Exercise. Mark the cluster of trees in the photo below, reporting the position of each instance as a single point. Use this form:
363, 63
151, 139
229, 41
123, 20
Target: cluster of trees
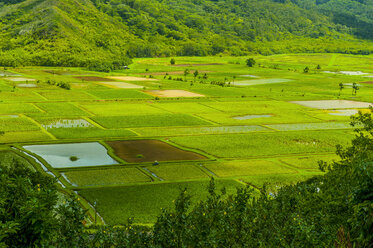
61, 84
332, 210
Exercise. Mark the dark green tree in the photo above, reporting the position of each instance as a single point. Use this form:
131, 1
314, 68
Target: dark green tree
355, 88
186, 73
30, 215
195, 74
250, 62
341, 87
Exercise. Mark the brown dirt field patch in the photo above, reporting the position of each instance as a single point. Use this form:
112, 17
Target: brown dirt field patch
93, 78
180, 65
171, 73
173, 93
150, 150
128, 78
367, 82
63, 72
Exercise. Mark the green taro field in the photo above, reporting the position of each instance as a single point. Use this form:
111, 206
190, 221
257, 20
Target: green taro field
241, 125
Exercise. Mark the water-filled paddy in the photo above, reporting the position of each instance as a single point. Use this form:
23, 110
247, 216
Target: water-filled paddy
67, 123
349, 73
8, 74
249, 117
20, 79
150, 151
345, 112
64, 155
333, 104
27, 86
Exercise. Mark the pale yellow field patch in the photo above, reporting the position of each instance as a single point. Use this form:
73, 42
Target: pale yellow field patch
121, 85
79, 86
128, 78
20, 79
173, 93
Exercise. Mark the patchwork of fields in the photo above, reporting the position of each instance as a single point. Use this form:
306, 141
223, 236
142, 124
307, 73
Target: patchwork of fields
128, 141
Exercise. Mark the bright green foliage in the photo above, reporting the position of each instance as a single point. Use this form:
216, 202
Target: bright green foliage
250, 62
30, 215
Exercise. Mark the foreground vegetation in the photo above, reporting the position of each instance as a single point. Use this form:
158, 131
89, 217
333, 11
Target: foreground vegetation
334, 209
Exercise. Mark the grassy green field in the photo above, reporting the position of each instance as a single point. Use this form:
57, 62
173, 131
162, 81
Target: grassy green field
266, 144
101, 177
149, 120
145, 202
250, 130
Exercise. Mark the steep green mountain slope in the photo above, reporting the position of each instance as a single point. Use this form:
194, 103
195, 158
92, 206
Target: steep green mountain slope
84, 32
64, 33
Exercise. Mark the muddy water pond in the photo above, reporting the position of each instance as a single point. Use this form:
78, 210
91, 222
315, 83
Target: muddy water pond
73, 155
135, 151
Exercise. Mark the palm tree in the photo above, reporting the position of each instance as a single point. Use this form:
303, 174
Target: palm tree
341, 87
355, 88
186, 72
195, 74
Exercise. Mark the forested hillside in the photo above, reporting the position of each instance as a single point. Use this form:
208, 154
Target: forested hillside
66, 33
82, 32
